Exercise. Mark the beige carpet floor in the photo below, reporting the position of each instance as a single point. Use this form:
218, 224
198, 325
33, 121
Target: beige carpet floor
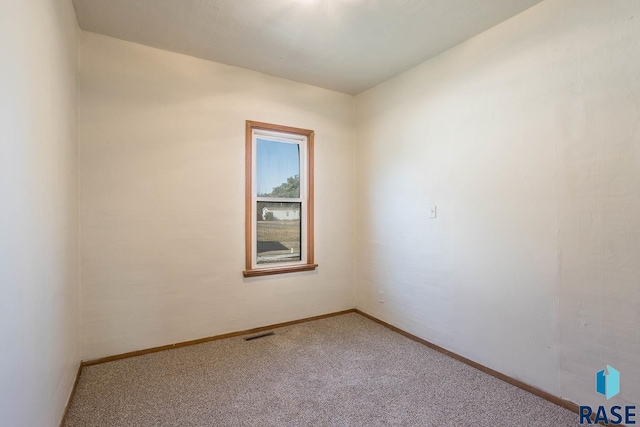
340, 371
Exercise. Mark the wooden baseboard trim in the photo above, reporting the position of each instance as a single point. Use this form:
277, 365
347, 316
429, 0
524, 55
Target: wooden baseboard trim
73, 392
207, 339
526, 387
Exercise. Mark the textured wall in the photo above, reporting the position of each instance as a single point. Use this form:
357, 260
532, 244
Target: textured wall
527, 139
39, 294
162, 198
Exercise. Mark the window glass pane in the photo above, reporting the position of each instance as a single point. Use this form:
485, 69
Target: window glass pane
278, 169
279, 232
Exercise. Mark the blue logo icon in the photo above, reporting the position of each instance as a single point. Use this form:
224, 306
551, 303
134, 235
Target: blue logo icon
608, 384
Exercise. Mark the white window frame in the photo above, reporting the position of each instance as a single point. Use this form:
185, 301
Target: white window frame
287, 138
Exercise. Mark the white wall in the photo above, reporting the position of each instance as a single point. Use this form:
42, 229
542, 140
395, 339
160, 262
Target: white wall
39, 294
162, 198
527, 139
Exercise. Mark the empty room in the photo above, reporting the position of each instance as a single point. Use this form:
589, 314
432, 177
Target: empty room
319, 213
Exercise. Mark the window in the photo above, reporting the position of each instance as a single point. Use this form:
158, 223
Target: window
279, 199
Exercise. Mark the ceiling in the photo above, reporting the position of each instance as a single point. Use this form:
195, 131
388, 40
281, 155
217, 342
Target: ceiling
344, 45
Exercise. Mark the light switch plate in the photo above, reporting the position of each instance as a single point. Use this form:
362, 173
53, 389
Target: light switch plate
433, 211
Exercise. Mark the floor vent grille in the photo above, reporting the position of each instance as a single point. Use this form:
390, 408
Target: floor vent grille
254, 337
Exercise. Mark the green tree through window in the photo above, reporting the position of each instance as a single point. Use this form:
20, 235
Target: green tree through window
291, 188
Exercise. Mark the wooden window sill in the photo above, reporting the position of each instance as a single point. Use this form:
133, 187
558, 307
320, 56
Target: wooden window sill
279, 270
